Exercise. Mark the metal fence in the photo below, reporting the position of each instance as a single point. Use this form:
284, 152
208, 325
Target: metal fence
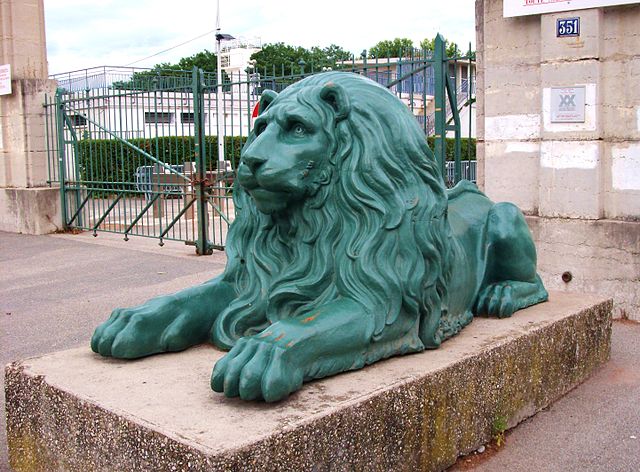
137, 151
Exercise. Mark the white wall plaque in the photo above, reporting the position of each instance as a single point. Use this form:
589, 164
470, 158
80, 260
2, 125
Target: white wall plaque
567, 104
536, 7
5, 79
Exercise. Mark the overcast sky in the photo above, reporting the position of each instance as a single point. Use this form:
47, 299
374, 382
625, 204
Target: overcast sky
88, 33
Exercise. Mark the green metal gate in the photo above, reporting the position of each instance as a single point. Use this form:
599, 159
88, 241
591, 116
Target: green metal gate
136, 152
139, 157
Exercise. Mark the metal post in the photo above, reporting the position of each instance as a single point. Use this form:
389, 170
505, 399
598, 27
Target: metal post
469, 109
203, 246
440, 116
453, 98
61, 157
219, 108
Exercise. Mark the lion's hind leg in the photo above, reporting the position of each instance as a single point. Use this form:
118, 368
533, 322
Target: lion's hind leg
510, 282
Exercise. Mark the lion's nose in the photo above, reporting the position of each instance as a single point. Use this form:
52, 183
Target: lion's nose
253, 162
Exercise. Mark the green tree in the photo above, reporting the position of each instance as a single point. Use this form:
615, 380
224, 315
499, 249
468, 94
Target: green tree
391, 48
273, 58
205, 60
428, 44
167, 75
327, 57
451, 48
277, 57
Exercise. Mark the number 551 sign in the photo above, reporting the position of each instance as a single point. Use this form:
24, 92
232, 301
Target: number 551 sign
567, 27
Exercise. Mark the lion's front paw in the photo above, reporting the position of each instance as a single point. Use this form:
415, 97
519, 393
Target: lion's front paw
161, 325
257, 368
496, 300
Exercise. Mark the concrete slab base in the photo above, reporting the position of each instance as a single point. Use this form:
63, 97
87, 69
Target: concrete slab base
74, 410
30, 210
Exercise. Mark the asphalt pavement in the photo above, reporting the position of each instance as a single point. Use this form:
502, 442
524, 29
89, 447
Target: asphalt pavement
55, 289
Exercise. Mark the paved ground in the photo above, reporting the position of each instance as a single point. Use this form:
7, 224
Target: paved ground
55, 289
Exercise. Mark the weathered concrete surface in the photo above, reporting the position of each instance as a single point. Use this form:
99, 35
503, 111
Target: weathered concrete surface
603, 257
587, 170
74, 410
22, 33
557, 172
23, 146
27, 205
594, 428
30, 210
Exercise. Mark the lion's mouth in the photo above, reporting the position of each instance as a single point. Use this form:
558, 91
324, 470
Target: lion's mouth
268, 201
267, 195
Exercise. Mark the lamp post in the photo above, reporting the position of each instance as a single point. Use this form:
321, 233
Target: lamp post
220, 107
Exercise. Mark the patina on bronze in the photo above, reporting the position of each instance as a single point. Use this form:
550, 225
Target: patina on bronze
346, 249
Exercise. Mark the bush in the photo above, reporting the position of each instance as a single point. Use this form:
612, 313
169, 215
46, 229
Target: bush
451, 145
109, 161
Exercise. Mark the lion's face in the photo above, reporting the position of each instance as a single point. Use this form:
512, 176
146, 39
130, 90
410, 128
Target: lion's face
283, 164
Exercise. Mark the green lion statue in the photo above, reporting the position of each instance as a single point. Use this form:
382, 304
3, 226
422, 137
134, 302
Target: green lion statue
346, 249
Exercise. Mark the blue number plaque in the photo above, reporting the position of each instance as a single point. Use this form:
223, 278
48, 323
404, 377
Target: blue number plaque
567, 27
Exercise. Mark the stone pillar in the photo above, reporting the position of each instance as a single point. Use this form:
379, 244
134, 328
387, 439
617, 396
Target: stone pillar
578, 182
27, 203
571, 154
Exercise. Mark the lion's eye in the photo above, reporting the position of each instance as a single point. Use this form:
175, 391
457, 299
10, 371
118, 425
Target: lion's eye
298, 129
260, 127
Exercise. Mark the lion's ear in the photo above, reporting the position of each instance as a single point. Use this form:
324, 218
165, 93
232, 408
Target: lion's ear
336, 96
267, 97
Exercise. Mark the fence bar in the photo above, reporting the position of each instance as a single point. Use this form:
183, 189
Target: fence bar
108, 210
202, 242
469, 105
128, 144
440, 65
177, 218
455, 116
61, 157
80, 207
142, 212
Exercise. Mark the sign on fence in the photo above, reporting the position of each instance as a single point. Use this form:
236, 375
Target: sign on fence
536, 7
5, 79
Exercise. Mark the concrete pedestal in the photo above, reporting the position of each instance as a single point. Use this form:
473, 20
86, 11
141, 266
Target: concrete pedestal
74, 410
30, 210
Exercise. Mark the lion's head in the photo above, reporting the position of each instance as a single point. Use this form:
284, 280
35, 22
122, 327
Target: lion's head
337, 195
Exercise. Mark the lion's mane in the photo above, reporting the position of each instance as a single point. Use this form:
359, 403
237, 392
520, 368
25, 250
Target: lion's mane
376, 231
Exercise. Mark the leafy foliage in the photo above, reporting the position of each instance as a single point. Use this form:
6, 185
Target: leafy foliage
108, 160
401, 47
164, 75
498, 429
283, 59
452, 48
450, 148
105, 161
272, 60
205, 60
391, 48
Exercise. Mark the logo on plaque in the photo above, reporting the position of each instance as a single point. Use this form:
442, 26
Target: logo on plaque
567, 104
